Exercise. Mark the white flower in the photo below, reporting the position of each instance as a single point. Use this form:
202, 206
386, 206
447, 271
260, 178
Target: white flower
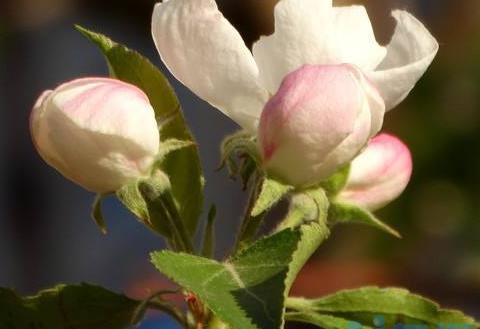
320, 118
97, 132
379, 174
205, 52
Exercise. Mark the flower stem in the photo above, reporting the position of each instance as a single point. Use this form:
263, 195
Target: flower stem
250, 224
157, 192
174, 312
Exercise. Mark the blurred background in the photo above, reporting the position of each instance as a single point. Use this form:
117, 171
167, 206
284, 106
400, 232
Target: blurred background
46, 235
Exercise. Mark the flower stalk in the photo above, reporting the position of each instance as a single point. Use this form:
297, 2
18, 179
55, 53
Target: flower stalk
156, 191
250, 224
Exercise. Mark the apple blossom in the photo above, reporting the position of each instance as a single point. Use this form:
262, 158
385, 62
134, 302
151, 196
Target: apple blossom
379, 174
206, 53
97, 132
310, 102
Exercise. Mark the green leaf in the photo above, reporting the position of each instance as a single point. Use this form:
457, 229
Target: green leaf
183, 166
97, 213
324, 321
73, 307
392, 305
246, 292
309, 207
265, 194
271, 193
349, 213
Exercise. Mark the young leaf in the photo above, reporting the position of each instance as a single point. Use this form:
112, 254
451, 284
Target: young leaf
265, 194
246, 292
97, 213
349, 213
182, 166
394, 305
75, 307
271, 193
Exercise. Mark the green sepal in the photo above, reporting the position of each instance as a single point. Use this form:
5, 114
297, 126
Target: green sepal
168, 146
97, 213
183, 166
337, 181
349, 213
366, 305
76, 306
130, 197
305, 207
242, 142
240, 155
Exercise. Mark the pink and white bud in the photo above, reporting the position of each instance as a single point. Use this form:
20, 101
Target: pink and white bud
98, 132
321, 117
379, 174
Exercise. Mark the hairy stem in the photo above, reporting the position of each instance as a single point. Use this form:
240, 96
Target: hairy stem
173, 311
250, 224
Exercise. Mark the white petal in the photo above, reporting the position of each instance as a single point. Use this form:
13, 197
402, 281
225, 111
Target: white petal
354, 38
99, 133
409, 54
351, 145
205, 52
309, 128
312, 32
300, 37
373, 99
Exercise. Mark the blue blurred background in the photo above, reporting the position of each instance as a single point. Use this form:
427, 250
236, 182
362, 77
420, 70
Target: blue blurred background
46, 235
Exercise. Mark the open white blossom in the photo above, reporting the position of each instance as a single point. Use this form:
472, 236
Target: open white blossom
206, 53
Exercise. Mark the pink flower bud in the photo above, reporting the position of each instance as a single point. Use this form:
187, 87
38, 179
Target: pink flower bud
379, 174
97, 132
319, 120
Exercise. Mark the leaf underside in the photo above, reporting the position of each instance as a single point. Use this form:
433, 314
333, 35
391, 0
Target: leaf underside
340, 213
368, 305
73, 307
